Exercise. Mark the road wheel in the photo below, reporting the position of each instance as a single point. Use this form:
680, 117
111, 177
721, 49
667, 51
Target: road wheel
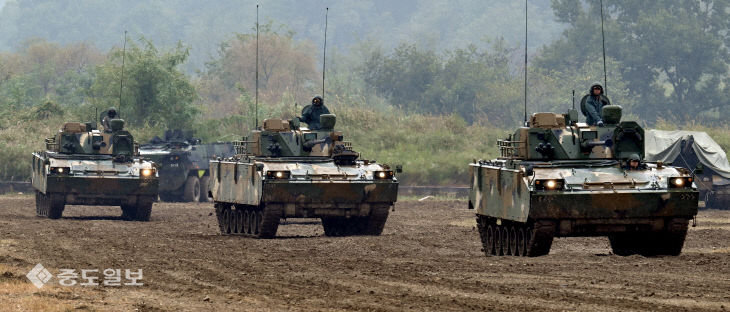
191, 192
520, 242
489, 241
204, 189
513, 241
505, 241
497, 240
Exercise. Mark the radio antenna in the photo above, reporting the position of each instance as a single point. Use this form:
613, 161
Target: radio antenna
573, 99
603, 39
121, 81
257, 68
525, 120
324, 54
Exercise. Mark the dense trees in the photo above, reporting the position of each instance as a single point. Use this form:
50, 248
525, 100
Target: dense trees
673, 55
155, 91
476, 84
42, 71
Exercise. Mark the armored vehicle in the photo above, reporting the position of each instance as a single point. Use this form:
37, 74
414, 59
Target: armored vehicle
557, 177
283, 170
85, 166
182, 162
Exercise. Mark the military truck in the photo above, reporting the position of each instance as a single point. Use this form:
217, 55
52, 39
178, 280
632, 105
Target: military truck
283, 170
86, 166
557, 177
183, 164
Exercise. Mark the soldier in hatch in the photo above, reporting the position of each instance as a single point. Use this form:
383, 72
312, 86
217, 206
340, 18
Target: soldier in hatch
106, 122
634, 163
594, 105
311, 112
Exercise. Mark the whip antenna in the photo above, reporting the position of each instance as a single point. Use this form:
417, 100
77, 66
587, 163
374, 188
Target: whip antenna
525, 120
324, 54
603, 38
573, 99
257, 67
121, 81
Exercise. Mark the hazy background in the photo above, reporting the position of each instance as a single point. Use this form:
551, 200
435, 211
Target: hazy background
427, 84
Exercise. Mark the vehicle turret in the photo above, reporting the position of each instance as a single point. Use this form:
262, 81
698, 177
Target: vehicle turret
557, 137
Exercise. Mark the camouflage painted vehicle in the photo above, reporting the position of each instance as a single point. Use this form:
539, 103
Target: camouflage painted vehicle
560, 178
85, 166
284, 171
183, 164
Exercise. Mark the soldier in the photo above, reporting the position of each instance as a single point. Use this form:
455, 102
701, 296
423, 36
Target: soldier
634, 162
594, 105
106, 122
311, 113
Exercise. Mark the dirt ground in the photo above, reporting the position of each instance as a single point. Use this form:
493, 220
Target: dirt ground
428, 258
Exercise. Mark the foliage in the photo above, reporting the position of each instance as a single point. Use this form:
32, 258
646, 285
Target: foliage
474, 84
41, 71
673, 55
155, 91
286, 70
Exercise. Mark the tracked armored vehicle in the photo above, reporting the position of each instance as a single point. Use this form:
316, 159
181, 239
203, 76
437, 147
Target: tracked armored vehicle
85, 166
285, 171
558, 177
183, 164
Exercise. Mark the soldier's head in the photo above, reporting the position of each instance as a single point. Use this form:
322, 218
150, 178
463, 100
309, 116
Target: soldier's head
633, 161
596, 89
317, 101
112, 112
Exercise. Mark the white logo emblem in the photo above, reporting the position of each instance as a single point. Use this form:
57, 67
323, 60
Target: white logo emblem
39, 276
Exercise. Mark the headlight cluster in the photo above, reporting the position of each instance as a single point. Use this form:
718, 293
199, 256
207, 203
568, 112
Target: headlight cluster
60, 170
278, 174
680, 182
549, 184
385, 174
147, 172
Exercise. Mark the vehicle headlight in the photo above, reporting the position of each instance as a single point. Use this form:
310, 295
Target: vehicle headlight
680, 182
60, 170
549, 184
384, 174
278, 174
147, 172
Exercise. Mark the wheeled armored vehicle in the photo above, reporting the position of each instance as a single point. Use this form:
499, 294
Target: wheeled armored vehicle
557, 177
86, 166
183, 164
283, 170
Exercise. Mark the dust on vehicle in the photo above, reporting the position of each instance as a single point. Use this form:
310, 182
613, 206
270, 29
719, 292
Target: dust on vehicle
283, 170
83, 165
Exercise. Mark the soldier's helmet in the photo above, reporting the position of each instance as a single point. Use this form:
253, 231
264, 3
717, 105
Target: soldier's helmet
317, 100
634, 157
594, 86
112, 112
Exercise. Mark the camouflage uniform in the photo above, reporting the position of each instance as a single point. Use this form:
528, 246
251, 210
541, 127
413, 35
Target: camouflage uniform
311, 113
